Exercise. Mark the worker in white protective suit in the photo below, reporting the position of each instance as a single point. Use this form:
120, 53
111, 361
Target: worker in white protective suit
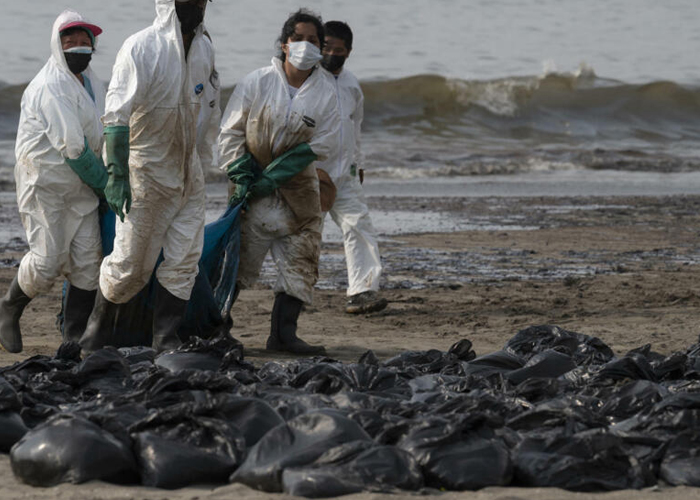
349, 210
156, 184
59, 176
209, 118
276, 110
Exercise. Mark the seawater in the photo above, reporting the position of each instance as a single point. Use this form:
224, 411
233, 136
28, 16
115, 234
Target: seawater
453, 87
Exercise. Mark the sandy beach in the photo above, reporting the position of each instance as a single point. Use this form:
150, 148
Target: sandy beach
621, 268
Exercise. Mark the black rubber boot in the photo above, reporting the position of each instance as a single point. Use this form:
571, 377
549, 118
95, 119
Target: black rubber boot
11, 307
283, 328
100, 325
79, 305
167, 318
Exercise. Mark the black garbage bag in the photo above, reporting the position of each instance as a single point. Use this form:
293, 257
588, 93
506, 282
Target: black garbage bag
535, 390
634, 398
71, 449
575, 413
415, 363
291, 403
9, 400
298, 442
253, 417
633, 366
37, 364
12, 429
681, 463
354, 467
584, 349
219, 353
179, 446
116, 416
462, 454
547, 364
495, 363
372, 378
593, 460
163, 387
372, 421
672, 367
105, 371
323, 378
384, 403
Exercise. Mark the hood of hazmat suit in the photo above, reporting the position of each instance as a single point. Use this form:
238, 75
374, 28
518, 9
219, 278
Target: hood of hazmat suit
351, 110
58, 117
262, 118
157, 91
58, 114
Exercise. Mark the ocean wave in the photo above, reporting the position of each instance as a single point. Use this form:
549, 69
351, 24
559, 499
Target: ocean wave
576, 104
428, 125
567, 104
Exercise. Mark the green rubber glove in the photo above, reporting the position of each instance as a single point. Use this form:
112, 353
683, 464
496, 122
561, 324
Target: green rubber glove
242, 172
90, 169
118, 191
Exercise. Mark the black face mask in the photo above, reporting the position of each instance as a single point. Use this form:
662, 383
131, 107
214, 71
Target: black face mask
333, 63
77, 63
190, 16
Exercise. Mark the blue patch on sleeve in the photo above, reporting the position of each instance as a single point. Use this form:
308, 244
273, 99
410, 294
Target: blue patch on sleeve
198, 89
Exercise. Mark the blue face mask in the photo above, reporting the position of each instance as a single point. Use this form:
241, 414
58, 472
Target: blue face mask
78, 58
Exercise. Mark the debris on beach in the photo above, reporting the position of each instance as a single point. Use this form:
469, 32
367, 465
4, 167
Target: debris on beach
553, 408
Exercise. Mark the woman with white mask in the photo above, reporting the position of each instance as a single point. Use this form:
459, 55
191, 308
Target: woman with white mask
283, 115
59, 177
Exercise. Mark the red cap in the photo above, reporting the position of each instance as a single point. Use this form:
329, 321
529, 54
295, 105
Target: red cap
94, 29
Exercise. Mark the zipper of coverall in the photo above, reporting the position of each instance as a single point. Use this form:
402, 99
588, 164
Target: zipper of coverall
184, 89
339, 170
289, 107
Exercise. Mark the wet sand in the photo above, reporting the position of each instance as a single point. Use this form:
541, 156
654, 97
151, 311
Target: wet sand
623, 268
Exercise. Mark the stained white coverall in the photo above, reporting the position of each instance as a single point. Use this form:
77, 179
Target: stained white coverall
157, 92
264, 119
208, 119
350, 210
58, 210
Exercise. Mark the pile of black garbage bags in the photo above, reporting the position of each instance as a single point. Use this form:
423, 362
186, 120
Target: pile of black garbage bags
553, 408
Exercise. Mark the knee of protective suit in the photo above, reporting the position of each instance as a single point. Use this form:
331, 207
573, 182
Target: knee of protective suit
247, 276
37, 274
120, 287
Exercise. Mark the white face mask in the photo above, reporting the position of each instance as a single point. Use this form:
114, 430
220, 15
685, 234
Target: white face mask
79, 50
303, 55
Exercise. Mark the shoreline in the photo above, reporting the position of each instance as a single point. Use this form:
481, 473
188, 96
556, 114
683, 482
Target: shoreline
620, 268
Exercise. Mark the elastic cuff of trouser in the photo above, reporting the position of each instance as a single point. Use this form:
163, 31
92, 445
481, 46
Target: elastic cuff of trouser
107, 290
356, 291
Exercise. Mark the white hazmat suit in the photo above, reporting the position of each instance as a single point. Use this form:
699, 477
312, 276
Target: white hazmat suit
263, 118
208, 122
350, 210
156, 91
58, 210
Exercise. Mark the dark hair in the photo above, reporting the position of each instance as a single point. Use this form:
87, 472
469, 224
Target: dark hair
338, 29
300, 16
